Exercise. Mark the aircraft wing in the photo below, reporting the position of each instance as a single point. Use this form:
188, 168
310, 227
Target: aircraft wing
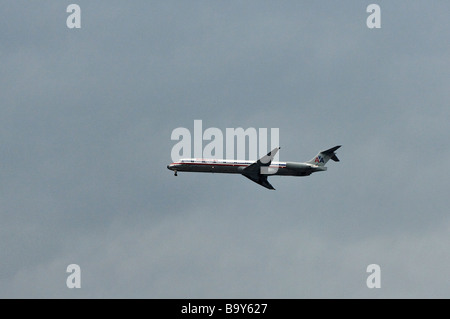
255, 170
261, 180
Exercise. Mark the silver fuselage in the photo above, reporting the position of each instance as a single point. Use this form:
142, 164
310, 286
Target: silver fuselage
237, 166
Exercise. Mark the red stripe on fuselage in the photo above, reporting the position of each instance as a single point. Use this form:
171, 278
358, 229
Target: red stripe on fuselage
222, 164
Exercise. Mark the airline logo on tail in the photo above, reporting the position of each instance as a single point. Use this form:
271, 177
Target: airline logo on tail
319, 159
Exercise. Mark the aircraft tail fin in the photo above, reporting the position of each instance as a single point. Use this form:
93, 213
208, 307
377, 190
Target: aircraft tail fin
324, 156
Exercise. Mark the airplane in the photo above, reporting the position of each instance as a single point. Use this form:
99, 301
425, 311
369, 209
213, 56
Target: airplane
257, 171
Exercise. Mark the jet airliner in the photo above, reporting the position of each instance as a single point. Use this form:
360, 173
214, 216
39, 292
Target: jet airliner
257, 171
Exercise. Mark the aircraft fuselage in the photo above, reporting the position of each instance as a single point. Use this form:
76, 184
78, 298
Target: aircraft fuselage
237, 167
256, 171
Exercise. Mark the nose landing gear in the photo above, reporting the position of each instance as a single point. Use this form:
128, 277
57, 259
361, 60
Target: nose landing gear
175, 173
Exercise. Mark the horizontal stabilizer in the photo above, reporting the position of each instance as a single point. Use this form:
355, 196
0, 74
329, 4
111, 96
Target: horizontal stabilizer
331, 150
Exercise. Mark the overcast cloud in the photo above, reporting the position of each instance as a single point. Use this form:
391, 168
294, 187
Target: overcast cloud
86, 117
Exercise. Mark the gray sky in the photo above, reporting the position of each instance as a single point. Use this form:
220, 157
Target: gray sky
86, 117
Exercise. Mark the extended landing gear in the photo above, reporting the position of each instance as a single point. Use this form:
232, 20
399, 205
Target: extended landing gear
175, 173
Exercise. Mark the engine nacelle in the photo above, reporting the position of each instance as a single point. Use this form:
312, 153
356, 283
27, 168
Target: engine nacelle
300, 167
